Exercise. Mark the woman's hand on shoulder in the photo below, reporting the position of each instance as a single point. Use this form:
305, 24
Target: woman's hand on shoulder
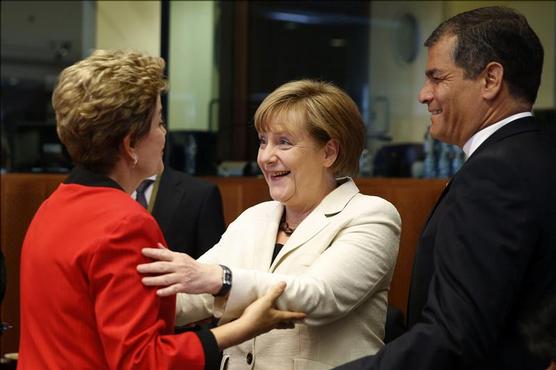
179, 273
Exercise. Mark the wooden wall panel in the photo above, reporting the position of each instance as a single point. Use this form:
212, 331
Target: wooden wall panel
239, 193
21, 196
414, 199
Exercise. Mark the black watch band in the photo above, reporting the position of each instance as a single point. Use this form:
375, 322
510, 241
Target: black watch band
226, 282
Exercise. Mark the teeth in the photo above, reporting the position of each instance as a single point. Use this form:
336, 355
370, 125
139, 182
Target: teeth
438, 111
280, 173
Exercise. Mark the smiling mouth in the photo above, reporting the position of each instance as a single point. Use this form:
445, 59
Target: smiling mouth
279, 174
435, 112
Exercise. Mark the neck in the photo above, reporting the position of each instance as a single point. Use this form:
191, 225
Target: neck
296, 214
125, 176
294, 218
497, 111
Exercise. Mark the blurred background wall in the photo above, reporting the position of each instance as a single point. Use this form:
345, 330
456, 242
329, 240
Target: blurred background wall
225, 57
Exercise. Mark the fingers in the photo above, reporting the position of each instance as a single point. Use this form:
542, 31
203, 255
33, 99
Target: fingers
285, 325
155, 268
159, 254
171, 284
168, 291
161, 280
276, 291
284, 316
285, 319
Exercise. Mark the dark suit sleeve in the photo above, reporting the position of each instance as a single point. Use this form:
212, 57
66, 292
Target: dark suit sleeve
482, 248
211, 220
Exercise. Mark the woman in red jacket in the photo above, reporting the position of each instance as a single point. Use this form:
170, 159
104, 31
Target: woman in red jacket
82, 302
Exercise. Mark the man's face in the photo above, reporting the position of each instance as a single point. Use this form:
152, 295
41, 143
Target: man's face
454, 102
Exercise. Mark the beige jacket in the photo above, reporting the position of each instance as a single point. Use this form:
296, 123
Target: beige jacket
338, 265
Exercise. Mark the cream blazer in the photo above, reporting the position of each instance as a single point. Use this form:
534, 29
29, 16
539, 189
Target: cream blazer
337, 265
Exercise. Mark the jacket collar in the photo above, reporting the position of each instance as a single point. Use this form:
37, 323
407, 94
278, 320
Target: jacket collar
82, 176
330, 206
515, 127
518, 126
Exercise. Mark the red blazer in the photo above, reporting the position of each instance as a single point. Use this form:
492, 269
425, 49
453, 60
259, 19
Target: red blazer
82, 302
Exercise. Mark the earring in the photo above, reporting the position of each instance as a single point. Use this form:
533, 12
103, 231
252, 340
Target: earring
134, 160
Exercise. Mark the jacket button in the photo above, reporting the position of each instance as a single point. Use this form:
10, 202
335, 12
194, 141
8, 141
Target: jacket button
249, 358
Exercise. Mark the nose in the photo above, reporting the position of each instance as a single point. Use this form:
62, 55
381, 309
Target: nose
266, 154
425, 94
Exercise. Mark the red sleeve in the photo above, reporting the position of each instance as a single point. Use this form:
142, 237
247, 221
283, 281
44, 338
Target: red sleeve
135, 326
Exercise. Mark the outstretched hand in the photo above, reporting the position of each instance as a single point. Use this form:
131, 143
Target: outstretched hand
179, 273
262, 315
258, 318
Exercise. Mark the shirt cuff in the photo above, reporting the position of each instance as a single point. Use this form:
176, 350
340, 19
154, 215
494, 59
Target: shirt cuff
210, 348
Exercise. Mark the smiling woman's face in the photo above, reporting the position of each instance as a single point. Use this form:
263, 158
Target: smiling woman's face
294, 164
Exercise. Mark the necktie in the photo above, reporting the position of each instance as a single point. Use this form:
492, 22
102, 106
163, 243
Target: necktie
140, 197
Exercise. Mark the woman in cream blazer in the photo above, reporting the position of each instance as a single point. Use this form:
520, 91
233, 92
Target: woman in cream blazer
334, 247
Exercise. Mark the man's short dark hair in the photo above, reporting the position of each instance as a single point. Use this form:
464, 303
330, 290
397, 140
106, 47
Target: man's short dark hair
496, 34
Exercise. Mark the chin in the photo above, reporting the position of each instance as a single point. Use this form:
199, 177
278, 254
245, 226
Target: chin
279, 197
436, 134
434, 129
159, 169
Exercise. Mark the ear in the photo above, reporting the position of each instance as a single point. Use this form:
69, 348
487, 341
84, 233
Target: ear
128, 151
493, 80
331, 150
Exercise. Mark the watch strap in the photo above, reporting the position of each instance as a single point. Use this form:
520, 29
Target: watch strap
226, 282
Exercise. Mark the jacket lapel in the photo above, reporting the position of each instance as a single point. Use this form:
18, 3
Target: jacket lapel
513, 128
268, 236
168, 200
331, 205
444, 192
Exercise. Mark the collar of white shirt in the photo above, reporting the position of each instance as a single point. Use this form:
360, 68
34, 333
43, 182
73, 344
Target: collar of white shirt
148, 191
476, 140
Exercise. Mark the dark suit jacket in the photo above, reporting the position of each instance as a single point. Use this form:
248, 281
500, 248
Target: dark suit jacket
189, 212
486, 258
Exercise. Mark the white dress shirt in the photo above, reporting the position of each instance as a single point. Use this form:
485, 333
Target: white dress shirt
148, 191
476, 140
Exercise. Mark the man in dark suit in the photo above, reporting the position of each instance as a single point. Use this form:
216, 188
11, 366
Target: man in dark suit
487, 254
188, 210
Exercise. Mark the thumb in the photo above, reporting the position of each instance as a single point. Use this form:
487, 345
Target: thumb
276, 291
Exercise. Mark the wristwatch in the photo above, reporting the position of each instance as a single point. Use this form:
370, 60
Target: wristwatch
226, 282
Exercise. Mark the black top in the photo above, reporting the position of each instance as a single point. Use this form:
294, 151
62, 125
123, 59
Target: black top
277, 249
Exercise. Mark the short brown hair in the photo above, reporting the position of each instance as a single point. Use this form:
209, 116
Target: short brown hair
103, 98
328, 112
